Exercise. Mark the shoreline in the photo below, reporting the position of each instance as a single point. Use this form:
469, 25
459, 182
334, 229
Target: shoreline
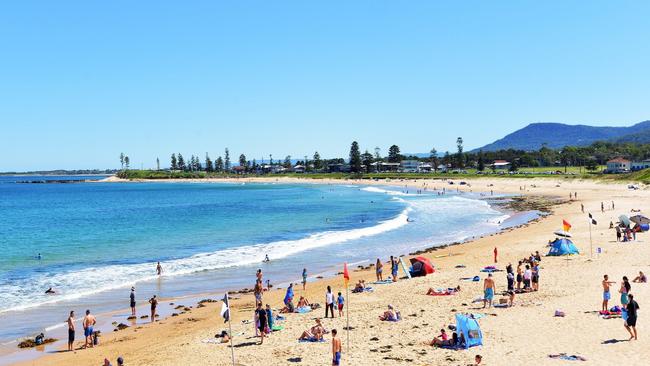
117, 315
240, 305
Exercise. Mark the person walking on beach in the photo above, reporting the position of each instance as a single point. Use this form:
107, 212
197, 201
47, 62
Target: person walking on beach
329, 301
339, 302
336, 349
488, 290
582, 208
132, 301
378, 269
154, 303
606, 294
88, 324
495, 254
602, 207
630, 322
304, 278
159, 269
71, 330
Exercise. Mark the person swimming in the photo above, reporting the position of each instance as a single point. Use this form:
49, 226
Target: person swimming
50, 291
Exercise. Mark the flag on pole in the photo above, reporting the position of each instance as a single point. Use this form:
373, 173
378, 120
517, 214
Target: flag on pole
225, 309
566, 225
346, 275
593, 221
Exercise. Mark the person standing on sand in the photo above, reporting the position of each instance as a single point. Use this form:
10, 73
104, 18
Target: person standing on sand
625, 290
393, 268
132, 301
606, 293
159, 269
378, 269
329, 301
630, 322
257, 291
582, 208
340, 302
519, 276
336, 349
495, 254
71, 330
88, 324
602, 207
488, 290
259, 274
260, 314
154, 302
304, 278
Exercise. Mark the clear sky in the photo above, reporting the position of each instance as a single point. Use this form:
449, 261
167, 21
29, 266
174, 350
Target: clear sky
82, 81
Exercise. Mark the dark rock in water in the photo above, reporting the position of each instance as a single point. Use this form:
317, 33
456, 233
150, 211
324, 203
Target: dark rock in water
207, 300
122, 326
179, 307
171, 303
374, 339
29, 343
174, 314
131, 318
157, 316
200, 306
186, 308
319, 277
144, 317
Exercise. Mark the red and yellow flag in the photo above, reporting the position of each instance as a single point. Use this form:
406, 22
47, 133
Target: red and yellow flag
346, 275
566, 225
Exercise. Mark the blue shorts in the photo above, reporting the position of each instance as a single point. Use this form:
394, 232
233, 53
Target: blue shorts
88, 332
337, 359
489, 293
606, 295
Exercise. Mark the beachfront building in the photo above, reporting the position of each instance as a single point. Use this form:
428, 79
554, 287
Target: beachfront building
618, 165
339, 168
501, 165
442, 168
380, 166
409, 166
299, 169
425, 168
640, 165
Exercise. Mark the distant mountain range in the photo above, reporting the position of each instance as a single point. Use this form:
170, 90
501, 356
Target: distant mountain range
558, 135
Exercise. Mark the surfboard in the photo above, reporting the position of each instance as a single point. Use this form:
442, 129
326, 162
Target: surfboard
406, 271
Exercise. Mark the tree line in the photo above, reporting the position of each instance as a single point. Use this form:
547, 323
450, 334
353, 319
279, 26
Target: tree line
588, 156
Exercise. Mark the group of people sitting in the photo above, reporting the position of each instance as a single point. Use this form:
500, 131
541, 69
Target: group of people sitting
302, 304
443, 340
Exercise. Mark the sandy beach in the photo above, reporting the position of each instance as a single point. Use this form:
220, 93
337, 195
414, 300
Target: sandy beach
522, 335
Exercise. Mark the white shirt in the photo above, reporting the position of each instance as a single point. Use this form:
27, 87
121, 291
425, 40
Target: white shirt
329, 298
528, 274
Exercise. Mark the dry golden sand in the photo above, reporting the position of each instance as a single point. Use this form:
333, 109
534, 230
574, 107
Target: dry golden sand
522, 335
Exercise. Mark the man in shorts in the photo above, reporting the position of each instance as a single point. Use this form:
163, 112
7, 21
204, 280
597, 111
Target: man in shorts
606, 293
488, 290
88, 324
262, 321
71, 330
336, 349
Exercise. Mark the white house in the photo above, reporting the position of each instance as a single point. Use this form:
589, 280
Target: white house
618, 165
501, 165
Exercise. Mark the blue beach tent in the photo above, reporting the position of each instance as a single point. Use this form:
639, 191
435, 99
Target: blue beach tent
563, 246
469, 328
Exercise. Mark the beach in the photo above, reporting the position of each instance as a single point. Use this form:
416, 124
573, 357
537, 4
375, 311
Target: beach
524, 334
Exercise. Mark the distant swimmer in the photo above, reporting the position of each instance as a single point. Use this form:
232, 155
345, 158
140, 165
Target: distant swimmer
408, 219
266, 258
159, 269
39, 256
50, 291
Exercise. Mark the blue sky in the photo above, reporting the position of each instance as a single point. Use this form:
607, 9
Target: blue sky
82, 81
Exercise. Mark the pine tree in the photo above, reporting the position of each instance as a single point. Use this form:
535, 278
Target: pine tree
433, 158
318, 163
181, 162
242, 161
394, 154
480, 164
355, 158
460, 163
367, 160
157, 164
127, 162
174, 166
226, 163
218, 165
287, 162
122, 160
208, 163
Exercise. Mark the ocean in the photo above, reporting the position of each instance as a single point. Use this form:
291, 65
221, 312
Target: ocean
96, 240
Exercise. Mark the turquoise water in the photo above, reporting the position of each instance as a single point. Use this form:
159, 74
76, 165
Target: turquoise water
96, 240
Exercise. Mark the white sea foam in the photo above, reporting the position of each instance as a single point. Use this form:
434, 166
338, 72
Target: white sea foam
25, 294
386, 191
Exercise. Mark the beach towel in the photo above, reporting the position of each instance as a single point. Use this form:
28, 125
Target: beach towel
277, 328
384, 282
475, 278
303, 310
564, 356
500, 305
311, 340
442, 294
